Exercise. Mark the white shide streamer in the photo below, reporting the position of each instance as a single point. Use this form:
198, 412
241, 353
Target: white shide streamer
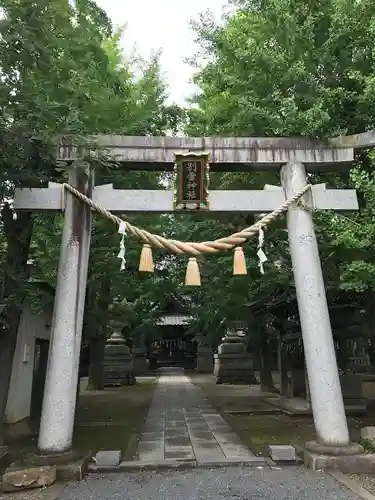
121, 254
261, 255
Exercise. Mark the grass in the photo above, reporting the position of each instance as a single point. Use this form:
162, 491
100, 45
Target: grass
105, 420
368, 445
109, 419
258, 431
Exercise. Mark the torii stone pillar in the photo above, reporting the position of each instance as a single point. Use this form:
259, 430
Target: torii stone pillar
323, 377
57, 421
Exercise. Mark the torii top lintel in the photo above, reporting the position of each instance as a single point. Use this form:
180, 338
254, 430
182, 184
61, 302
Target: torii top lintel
227, 154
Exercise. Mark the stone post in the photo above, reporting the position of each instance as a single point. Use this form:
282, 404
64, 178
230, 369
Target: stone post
325, 391
57, 421
205, 355
140, 356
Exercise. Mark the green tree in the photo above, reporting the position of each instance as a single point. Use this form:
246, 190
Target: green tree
287, 68
58, 78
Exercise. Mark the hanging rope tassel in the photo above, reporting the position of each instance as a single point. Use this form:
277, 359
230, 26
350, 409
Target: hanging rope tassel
239, 262
121, 254
146, 263
193, 277
261, 255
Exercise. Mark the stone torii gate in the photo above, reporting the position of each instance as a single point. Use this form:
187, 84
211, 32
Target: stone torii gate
292, 156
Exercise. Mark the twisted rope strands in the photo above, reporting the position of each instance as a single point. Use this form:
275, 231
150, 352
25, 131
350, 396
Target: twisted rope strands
192, 248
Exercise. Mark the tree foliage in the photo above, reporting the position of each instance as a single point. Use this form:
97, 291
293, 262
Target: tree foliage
292, 68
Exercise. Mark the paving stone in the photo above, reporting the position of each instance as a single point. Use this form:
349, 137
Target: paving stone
282, 453
184, 426
108, 458
151, 451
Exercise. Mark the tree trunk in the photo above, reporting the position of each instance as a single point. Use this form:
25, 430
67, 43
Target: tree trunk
96, 368
18, 233
96, 332
266, 380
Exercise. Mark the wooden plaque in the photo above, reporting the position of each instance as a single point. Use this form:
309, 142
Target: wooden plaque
191, 181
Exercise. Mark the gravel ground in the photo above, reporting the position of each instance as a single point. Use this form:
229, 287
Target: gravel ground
50, 493
365, 480
237, 483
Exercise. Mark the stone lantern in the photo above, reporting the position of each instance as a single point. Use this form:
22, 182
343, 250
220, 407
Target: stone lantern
232, 364
118, 362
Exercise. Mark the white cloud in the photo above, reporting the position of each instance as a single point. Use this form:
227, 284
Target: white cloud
163, 24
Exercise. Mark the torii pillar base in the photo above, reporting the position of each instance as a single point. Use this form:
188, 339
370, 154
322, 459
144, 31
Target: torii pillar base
347, 459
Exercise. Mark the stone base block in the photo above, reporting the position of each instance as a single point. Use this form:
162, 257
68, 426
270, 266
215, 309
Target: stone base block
118, 370
348, 459
282, 453
27, 478
336, 451
368, 433
355, 464
108, 458
234, 369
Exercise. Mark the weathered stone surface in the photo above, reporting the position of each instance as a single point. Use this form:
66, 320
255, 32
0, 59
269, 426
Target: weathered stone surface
107, 458
241, 151
368, 433
205, 361
282, 453
118, 362
231, 348
360, 464
234, 369
332, 450
35, 477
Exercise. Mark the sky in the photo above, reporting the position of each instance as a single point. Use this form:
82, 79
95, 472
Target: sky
163, 24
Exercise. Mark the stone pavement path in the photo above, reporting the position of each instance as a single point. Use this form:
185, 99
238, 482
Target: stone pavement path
229, 483
182, 426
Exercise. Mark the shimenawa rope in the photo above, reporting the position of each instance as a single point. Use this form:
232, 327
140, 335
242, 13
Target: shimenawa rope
192, 248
